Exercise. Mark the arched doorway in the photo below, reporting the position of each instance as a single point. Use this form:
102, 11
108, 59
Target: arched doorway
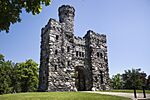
80, 78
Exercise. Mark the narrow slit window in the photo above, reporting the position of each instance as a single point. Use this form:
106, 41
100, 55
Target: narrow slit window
56, 52
97, 54
55, 67
77, 53
80, 54
68, 63
57, 37
68, 49
101, 77
62, 49
101, 55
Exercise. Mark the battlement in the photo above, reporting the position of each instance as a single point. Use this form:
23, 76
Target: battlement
95, 36
66, 9
52, 24
79, 41
92, 33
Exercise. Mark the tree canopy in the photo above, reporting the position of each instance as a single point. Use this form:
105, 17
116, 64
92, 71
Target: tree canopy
130, 79
117, 81
27, 75
6, 68
19, 77
10, 10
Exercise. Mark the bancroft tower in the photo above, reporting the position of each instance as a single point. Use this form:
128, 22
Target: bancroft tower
70, 63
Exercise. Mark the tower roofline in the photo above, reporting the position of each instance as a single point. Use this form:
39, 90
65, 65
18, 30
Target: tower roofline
67, 8
89, 32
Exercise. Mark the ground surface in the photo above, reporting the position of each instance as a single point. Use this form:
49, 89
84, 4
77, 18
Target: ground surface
128, 91
59, 96
122, 94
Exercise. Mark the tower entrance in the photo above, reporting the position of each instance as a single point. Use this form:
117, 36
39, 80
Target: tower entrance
80, 78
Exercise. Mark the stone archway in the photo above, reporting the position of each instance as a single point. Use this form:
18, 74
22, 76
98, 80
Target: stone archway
80, 78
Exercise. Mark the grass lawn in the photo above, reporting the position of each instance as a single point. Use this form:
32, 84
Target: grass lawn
128, 91
59, 96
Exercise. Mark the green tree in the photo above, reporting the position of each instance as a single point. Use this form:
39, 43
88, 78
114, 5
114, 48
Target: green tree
117, 82
10, 10
15, 80
1, 58
143, 78
6, 69
27, 76
20, 77
132, 78
148, 83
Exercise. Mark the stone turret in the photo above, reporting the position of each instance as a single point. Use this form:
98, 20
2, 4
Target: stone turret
66, 17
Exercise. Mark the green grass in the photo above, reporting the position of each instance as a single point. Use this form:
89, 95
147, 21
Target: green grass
59, 96
128, 91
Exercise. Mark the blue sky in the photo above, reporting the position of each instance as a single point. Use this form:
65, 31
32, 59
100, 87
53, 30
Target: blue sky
125, 22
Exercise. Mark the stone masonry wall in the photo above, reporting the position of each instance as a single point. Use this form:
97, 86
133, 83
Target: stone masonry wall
98, 60
70, 63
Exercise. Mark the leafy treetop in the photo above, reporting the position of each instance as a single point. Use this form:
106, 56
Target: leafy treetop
10, 10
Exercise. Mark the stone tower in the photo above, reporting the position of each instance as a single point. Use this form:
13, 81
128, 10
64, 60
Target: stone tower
66, 17
70, 63
97, 60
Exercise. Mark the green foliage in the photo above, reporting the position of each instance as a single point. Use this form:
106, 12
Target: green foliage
20, 77
6, 69
148, 83
1, 58
132, 78
27, 75
117, 81
10, 10
60, 96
